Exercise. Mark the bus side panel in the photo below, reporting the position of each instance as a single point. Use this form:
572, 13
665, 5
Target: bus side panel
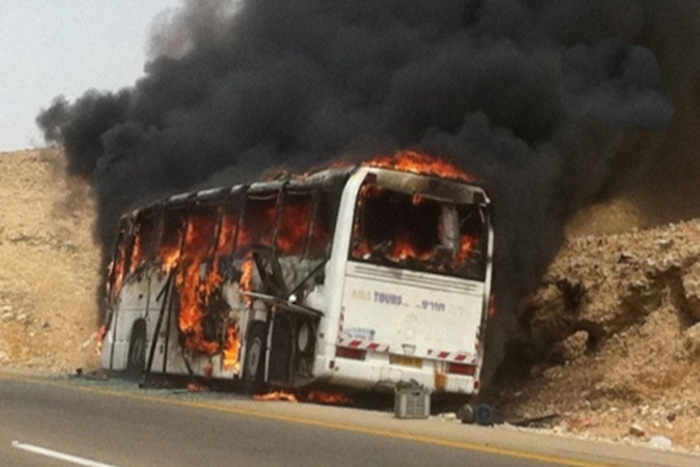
169, 352
156, 306
131, 305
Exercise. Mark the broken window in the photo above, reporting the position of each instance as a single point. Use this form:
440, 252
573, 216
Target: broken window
418, 232
471, 257
228, 228
120, 261
323, 225
173, 226
258, 225
292, 232
144, 249
201, 231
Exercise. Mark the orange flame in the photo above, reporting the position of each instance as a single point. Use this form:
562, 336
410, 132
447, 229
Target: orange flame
196, 387
116, 275
276, 396
227, 236
293, 228
194, 297
467, 247
169, 260
233, 346
419, 163
318, 396
144, 240
248, 268
136, 254
100, 338
325, 397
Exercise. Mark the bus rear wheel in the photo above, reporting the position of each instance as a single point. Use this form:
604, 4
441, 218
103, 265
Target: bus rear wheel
136, 362
254, 365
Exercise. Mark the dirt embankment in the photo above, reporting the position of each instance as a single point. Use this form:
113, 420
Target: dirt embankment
48, 265
612, 332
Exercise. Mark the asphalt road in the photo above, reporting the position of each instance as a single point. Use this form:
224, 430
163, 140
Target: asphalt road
49, 422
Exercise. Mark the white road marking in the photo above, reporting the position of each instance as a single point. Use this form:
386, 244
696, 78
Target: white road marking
59, 455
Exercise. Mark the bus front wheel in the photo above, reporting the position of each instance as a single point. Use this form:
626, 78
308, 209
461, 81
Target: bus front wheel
254, 366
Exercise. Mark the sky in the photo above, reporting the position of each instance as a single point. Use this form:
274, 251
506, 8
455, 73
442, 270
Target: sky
53, 47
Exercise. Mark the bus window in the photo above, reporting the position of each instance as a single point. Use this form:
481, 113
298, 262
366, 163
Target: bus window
119, 264
170, 243
293, 228
471, 257
201, 231
258, 223
323, 225
144, 250
394, 225
128, 245
226, 243
416, 232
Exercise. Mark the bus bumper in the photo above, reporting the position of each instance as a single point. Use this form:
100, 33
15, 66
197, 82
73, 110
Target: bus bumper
375, 372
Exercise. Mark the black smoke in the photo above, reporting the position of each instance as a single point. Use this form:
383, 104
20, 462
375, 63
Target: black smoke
618, 83
235, 89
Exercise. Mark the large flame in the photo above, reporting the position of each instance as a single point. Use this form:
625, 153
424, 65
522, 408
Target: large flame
196, 281
419, 163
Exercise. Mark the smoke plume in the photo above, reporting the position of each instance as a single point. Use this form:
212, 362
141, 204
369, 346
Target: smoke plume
235, 89
618, 83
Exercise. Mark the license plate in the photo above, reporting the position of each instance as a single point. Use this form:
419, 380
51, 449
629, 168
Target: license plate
406, 361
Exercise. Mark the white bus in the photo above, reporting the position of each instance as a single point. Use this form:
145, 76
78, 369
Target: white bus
363, 277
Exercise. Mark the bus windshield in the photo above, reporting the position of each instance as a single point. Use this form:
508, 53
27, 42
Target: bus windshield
418, 232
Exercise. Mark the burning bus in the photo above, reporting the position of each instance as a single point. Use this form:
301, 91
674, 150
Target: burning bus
360, 276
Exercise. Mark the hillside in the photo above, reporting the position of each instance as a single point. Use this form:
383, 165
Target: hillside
611, 336
48, 265
614, 336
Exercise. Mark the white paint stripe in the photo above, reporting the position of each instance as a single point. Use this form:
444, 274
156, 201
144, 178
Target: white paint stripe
59, 455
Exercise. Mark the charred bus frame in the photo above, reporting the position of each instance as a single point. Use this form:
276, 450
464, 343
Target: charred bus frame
249, 283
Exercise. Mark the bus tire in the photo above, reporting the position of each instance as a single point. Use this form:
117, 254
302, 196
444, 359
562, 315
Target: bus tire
254, 365
136, 360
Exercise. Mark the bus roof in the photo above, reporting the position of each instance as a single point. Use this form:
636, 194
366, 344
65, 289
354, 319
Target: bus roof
324, 178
